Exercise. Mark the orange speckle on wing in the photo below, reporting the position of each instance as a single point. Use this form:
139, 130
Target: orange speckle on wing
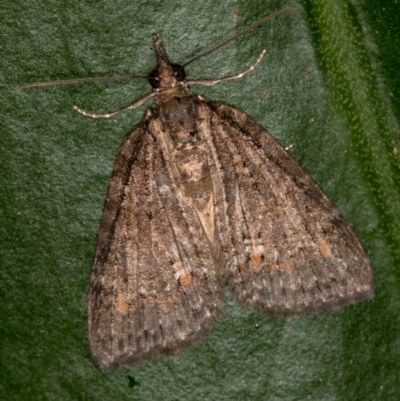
256, 259
122, 304
324, 248
186, 279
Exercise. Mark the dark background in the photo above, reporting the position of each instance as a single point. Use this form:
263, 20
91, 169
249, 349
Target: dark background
328, 86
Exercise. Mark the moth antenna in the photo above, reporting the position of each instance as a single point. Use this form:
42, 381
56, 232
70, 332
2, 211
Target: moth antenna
79, 81
211, 82
249, 29
126, 77
110, 114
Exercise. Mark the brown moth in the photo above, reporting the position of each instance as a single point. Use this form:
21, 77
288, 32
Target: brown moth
202, 196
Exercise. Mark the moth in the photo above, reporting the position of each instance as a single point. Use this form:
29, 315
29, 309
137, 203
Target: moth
201, 196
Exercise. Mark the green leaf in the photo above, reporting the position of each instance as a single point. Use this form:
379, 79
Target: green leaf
328, 86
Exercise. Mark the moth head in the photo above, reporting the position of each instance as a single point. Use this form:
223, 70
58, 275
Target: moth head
166, 75
156, 77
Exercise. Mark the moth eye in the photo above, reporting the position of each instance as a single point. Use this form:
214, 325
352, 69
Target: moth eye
178, 71
154, 79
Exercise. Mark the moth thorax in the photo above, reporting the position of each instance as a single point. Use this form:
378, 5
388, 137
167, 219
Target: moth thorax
178, 115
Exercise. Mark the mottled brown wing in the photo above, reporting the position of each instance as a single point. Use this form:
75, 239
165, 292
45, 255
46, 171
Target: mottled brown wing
289, 250
153, 287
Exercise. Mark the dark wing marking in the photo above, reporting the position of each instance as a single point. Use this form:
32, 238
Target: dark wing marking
153, 287
289, 250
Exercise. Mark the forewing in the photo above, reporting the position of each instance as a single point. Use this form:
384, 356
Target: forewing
153, 287
289, 249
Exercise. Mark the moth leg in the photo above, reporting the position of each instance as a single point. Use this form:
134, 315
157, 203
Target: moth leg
132, 106
210, 82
